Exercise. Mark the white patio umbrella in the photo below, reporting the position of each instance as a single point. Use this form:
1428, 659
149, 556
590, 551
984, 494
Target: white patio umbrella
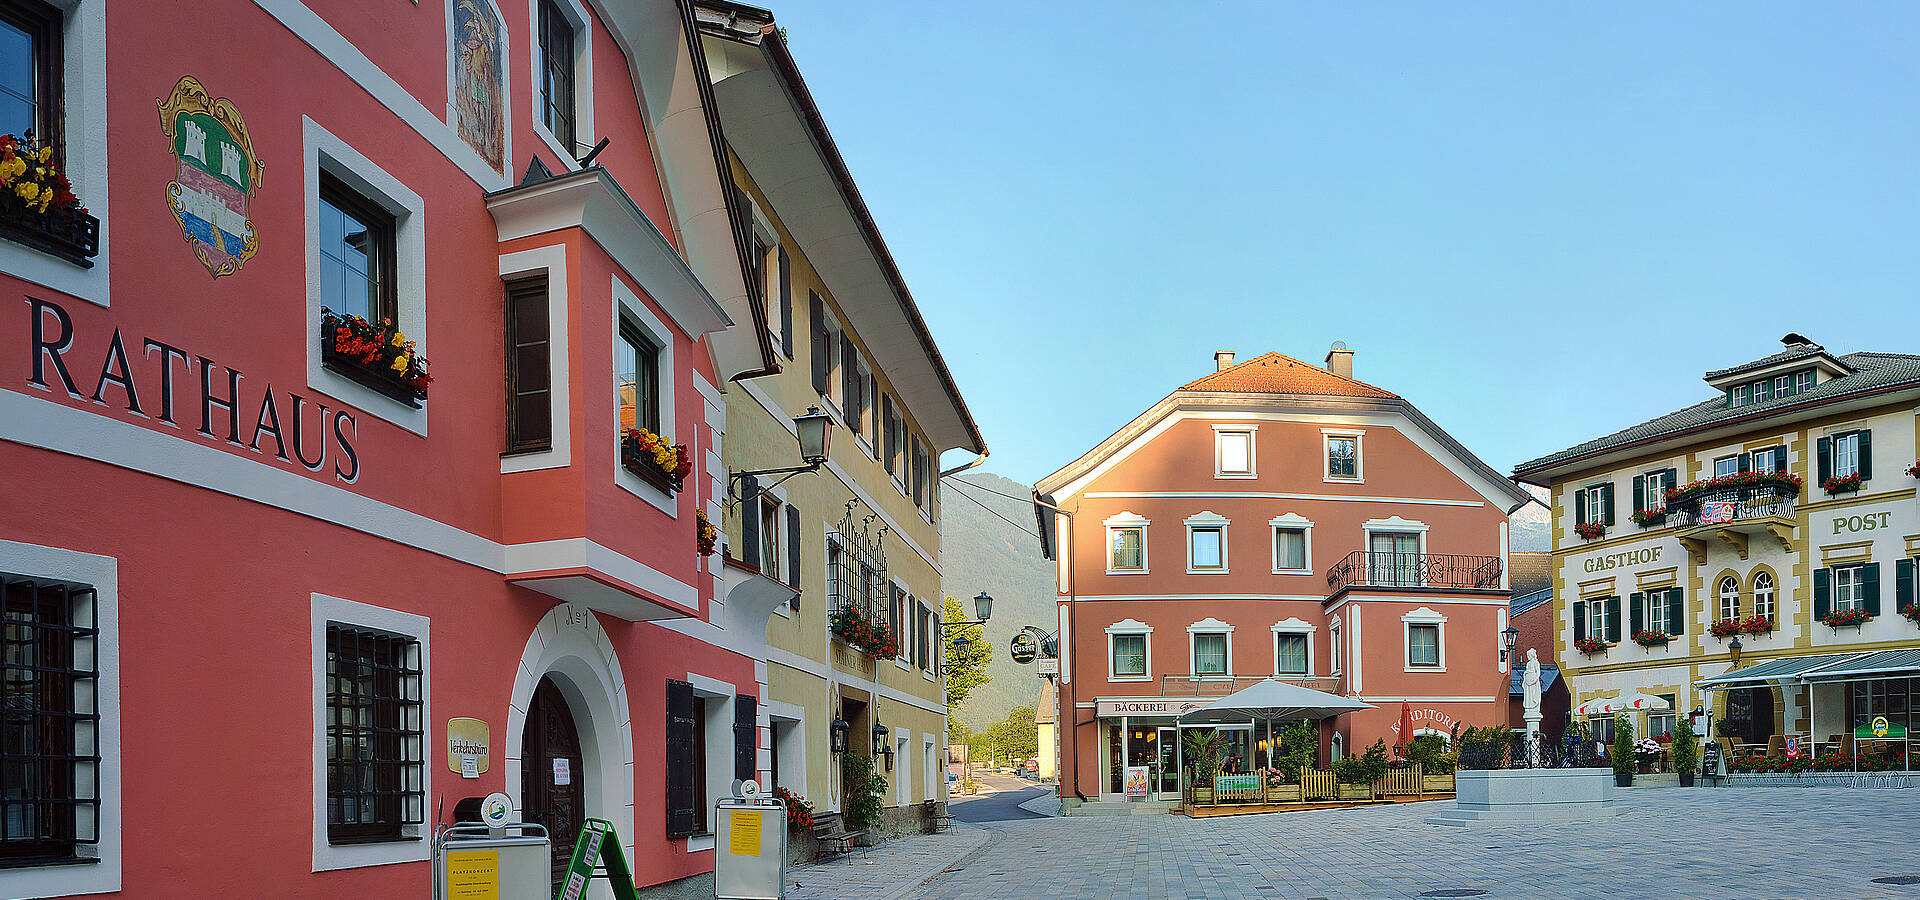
1270, 701
1603, 706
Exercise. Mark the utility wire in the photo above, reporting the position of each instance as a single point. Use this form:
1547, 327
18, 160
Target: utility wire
995, 512
990, 490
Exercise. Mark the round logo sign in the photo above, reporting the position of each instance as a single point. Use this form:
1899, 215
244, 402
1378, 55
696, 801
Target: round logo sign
746, 788
496, 810
1879, 726
1023, 648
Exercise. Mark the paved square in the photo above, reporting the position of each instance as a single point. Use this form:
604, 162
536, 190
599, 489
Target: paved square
1699, 842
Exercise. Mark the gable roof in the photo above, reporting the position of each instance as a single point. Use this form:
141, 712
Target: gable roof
1873, 373
1273, 373
1549, 673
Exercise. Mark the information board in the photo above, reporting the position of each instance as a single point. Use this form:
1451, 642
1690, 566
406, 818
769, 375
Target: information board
750, 849
1710, 759
1236, 782
1881, 728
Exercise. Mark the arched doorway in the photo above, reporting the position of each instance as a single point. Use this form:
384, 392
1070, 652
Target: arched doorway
552, 776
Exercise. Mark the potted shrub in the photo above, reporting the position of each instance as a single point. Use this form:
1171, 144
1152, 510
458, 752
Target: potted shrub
1646, 751
1623, 757
1686, 750
1351, 772
1202, 749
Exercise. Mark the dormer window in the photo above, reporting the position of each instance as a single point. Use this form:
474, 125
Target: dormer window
1773, 387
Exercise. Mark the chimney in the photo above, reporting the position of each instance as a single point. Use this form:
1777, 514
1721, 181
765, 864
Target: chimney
1340, 360
1222, 360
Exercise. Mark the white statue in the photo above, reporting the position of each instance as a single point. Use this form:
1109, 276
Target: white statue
1530, 690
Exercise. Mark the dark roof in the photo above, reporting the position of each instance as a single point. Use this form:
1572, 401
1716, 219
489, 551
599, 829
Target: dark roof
1796, 351
1529, 571
1872, 372
1528, 601
1548, 673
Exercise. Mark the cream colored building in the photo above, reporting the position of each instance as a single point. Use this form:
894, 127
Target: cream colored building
1759, 546
861, 533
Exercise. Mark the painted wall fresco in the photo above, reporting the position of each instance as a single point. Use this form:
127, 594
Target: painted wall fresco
479, 79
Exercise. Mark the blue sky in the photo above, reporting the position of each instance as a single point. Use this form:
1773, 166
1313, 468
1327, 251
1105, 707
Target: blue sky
1539, 223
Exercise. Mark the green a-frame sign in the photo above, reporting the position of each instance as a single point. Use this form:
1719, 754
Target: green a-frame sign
598, 845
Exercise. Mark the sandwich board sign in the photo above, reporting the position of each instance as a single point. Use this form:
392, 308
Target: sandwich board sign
597, 845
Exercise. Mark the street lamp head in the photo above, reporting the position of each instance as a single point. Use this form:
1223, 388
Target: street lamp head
1511, 636
961, 645
879, 738
813, 428
983, 606
1733, 652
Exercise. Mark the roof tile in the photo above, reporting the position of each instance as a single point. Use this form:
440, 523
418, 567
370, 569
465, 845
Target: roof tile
1273, 373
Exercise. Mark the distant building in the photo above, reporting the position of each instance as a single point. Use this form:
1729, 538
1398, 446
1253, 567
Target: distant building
1530, 571
1273, 519
1532, 616
1043, 720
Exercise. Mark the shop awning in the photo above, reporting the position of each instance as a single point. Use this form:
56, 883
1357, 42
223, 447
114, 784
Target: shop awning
1273, 701
1877, 664
1772, 671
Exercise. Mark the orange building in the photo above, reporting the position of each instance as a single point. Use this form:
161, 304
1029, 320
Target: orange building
1272, 519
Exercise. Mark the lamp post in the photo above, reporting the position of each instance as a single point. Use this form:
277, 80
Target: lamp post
982, 607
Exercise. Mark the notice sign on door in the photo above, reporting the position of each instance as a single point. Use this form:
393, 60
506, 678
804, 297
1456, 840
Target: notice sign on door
562, 771
1137, 782
743, 839
473, 875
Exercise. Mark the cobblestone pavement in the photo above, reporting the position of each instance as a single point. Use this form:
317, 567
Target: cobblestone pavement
1698, 842
895, 869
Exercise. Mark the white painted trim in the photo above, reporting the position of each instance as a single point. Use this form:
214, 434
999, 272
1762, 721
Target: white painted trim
1208, 517
1253, 459
1293, 625
1125, 519
1359, 455
1099, 597
1274, 495
1422, 616
1337, 658
1499, 641
310, 28
1194, 523
417, 846
1208, 625
84, 55
1130, 626
627, 304
103, 574
1394, 523
1353, 647
552, 260
573, 553
1353, 596
322, 150
583, 132
1291, 521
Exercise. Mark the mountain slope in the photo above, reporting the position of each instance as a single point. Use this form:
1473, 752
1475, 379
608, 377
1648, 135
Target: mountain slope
981, 552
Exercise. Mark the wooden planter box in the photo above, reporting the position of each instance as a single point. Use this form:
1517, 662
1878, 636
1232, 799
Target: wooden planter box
649, 471
1356, 792
1202, 796
1437, 783
1283, 793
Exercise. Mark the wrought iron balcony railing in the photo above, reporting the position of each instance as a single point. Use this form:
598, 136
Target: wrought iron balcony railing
1365, 568
1733, 504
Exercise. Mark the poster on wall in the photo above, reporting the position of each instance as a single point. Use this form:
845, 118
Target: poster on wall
216, 175
479, 83
1137, 782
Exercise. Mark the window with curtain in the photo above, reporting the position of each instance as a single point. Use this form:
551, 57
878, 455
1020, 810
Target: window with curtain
1129, 549
1290, 548
1129, 655
1290, 653
1210, 654
1423, 645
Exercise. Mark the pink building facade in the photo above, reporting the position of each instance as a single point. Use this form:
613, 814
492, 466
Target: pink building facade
274, 602
1274, 519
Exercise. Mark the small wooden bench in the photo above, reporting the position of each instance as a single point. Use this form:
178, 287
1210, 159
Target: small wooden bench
938, 819
829, 831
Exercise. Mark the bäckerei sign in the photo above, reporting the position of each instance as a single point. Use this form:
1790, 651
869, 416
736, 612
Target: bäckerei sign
1107, 709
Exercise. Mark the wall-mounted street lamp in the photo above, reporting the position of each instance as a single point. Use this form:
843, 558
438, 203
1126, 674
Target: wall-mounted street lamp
1508, 638
1733, 652
879, 738
837, 735
982, 607
812, 431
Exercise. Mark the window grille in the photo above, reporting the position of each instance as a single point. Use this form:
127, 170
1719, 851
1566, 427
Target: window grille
49, 720
375, 749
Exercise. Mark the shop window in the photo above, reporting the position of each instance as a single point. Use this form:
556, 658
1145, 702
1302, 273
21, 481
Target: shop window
375, 744
49, 724
529, 367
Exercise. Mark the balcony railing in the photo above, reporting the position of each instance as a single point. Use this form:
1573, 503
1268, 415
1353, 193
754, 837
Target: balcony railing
1222, 685
1365, 568
1733, 504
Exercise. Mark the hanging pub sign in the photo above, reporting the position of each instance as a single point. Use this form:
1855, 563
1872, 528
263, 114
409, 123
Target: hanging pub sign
1024, 648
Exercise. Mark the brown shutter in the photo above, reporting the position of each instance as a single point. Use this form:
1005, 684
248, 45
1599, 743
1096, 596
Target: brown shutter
529, 366
849, 382
817, 331
680, 762
746, 738
786, 303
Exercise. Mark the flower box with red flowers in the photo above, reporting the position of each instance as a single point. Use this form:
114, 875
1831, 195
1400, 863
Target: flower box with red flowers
1756, 625
1652, 637
1784, 483
377, 356
1914, 470
1847, 617
1843, 484
1590, 646
1912, 612
37, 205
707, 536
873, 638
648, 455
1724, 628
1648, 518
1590, 530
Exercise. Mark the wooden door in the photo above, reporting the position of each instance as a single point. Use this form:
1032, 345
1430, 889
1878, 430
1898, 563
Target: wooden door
550, 748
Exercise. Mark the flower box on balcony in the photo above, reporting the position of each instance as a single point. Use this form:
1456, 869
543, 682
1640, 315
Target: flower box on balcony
377, 356
1652, 637
658, 463
1847, 618
1843, 484
1784, 484
37, 205
863, 633
1591, 646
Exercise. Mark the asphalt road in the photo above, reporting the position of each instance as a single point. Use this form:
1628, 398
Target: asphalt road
998, 801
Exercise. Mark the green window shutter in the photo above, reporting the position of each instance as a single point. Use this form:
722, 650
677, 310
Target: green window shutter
1676, 611
1902, 585
1639, 493
1669, 482
1579, 620
1606, 504
1825, 448
1746, 462
1870, 585
1822, 591
1613, 620
1779, 459
1580, 507
1639, 615
1866, 454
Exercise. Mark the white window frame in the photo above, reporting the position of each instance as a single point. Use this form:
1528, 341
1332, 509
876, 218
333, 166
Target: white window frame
1596, 510
1292, 522
1757, 455
1328, 436
1293, 626
1121, 522
1130, 627
583, 132
324, 151
1398, 525
83, 42
327, 610
1763, 390
1743, 395
1221, 434
835, 395
1851, 584
1734, 460
1597, 617
1657, 596
1783, 386
864, 437
1729, 598
627, 303
1207, 521
1208, 626
1654, 490
1333, 646
1804, 382
1850, 443
1423, 617
718, 728
100, 868
1764, 596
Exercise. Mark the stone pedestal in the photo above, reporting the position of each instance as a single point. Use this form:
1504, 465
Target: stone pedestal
1530, 795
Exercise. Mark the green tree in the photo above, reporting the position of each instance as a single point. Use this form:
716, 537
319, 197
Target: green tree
1624, 760
965, 670
1019, 738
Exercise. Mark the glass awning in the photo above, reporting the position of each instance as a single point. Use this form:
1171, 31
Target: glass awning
1785, 669
1877, 664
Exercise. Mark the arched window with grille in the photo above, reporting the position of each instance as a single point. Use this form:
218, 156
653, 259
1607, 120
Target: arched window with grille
1763, 594
1729, 598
